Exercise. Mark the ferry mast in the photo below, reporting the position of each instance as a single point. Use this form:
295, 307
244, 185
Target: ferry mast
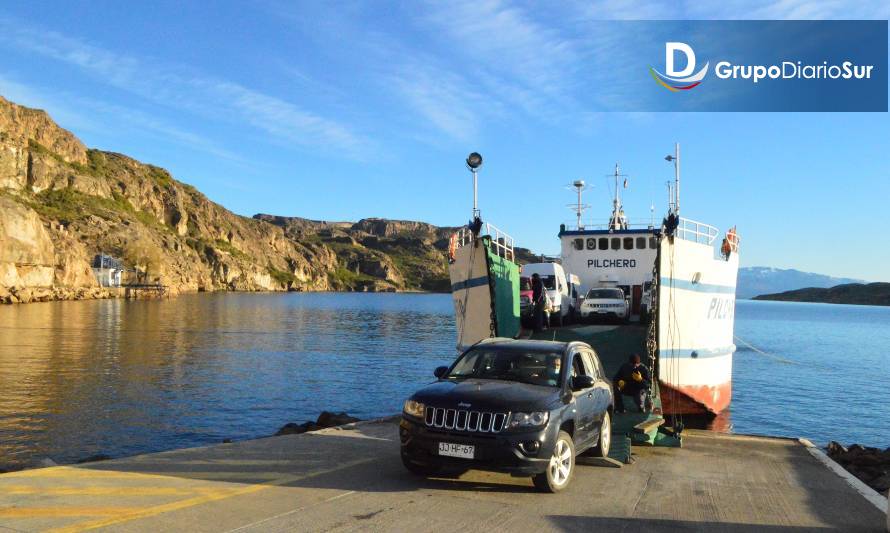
579, 207
676, 191
618, 221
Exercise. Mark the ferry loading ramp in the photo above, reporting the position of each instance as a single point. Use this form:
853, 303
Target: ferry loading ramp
351, 478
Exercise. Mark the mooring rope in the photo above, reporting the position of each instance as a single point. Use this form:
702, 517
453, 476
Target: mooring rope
766, 354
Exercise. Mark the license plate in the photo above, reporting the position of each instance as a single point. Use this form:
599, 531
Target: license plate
463, 451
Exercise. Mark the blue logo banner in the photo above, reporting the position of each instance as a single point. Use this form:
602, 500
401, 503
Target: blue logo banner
739, 65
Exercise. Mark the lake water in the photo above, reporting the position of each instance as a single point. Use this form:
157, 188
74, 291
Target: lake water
121, 377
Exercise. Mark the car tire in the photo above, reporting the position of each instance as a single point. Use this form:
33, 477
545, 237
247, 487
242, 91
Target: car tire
419, 470
604, 442
560, 468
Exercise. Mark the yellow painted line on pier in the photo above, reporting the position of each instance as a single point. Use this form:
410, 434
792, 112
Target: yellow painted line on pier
63, 512
86, 473
222, 494
101, 491
75, 473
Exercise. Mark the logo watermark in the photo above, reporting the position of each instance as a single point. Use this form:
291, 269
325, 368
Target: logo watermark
798, 65
682, 80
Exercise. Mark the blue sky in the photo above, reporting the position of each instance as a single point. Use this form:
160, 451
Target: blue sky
340, 111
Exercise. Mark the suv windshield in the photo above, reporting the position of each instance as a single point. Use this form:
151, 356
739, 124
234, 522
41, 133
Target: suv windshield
610, 294
525, 284
535, 368
549, 282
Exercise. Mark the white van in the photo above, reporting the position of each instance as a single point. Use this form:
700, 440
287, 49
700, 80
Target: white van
554, 278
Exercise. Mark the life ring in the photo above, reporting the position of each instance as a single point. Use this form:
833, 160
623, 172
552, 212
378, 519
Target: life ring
452, 247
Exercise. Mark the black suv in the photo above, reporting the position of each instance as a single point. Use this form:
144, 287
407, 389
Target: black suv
522, 407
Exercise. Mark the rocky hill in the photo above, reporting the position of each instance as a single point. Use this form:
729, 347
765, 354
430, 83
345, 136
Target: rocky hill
62, 203
850, 293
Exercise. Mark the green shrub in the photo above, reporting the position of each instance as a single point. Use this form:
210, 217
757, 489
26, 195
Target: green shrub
281, 276
160, 176
226, 246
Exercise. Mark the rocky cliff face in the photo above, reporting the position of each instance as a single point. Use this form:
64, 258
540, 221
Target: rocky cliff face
62, 203
377, 254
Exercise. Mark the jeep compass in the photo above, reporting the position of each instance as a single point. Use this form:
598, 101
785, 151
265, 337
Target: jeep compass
517, 406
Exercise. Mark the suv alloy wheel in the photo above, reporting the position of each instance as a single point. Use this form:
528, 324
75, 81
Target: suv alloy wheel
561, 467
605, 439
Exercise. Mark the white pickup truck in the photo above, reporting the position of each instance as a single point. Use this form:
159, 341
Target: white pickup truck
605, 303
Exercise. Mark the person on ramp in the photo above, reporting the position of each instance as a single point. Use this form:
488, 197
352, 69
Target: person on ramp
632, 380
539, 301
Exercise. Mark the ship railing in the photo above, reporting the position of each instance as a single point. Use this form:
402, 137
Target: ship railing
603, 224
691, 230
499, 242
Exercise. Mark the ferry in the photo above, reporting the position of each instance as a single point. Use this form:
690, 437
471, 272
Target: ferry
679, 279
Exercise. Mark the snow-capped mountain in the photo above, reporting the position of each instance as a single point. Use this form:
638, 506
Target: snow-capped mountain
754, 281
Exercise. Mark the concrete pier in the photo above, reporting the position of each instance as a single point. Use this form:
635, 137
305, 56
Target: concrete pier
351, 478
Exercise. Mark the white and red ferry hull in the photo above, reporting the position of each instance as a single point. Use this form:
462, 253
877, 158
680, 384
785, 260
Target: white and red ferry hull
696, 312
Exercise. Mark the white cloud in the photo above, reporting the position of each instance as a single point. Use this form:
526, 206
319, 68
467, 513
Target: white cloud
175, 87
88, 115
732, 9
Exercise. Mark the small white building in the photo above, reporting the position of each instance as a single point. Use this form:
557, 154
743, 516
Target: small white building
108, 270
108, 277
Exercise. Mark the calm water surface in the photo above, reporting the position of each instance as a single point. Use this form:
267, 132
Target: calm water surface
123, 377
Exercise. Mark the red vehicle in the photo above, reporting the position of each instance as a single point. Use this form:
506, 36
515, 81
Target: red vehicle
525, 298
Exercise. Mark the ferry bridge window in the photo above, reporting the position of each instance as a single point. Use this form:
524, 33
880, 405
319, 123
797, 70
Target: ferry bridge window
628, 243
616, 243
591, 244
579, 244
604, 243
641, 243
652, 242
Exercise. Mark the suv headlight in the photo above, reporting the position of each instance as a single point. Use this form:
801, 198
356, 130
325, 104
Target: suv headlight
537, 418
414, 408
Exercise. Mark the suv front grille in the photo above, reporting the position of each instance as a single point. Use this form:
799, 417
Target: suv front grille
464, 420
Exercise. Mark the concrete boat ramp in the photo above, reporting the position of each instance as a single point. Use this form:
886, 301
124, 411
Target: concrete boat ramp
351, 478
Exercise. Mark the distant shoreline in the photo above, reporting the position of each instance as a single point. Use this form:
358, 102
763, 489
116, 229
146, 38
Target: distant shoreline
49, 294
874, 294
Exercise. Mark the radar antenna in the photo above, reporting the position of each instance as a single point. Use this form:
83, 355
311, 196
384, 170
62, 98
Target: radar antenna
579, 207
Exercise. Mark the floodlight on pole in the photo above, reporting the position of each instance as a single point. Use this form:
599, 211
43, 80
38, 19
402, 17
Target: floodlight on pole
474, 161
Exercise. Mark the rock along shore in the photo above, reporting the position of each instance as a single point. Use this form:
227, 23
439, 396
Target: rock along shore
870, 465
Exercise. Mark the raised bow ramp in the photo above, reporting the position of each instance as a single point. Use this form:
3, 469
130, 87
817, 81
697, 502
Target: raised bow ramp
484, 285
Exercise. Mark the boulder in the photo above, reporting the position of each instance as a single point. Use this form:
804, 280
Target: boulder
327, 419
24, 295
835, 449
292, 428
867, 459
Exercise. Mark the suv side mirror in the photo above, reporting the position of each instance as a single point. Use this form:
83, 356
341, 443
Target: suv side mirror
582, 382
440, 371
